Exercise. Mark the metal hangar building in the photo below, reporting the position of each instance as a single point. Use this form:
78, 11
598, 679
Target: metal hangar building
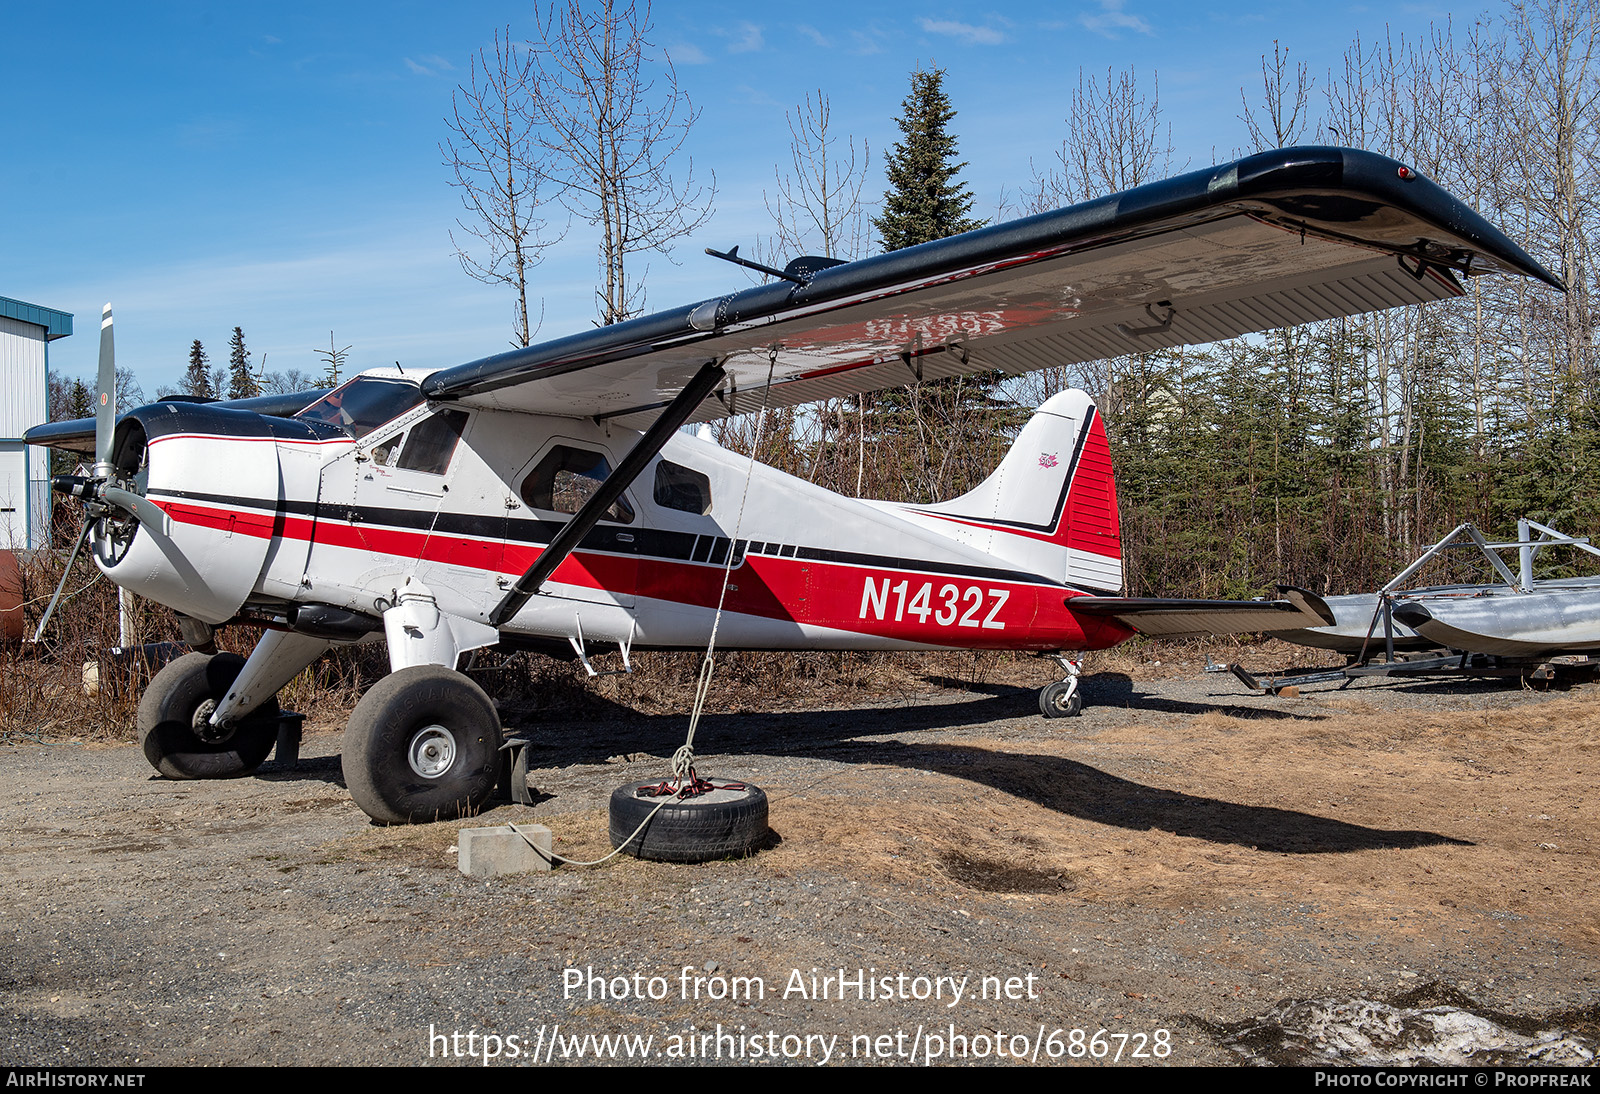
26, 331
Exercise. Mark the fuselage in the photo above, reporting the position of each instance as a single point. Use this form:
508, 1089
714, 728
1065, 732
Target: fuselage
269, 514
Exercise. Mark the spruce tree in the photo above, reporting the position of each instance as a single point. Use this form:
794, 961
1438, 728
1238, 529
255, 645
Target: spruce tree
197, 380
242, 382
333, 362
924, 200
935, 440
80, 403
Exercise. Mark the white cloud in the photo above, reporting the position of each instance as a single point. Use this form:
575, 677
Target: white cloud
686, 53
431, 65
967, 32
816, 36
1112, 18
746, 38
865, 42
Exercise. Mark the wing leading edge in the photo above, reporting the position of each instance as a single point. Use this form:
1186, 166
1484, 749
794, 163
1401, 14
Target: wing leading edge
1280, 238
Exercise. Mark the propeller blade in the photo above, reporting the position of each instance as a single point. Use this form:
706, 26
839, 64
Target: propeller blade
66, 573
105, 411
148, 512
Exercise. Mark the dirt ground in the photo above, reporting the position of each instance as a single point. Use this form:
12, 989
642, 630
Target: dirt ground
1175, 868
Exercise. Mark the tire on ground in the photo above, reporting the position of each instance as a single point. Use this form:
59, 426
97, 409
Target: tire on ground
719, 824
172, 721
423, 744
1053, 701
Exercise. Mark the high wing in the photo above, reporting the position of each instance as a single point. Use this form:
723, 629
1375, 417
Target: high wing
1280, 238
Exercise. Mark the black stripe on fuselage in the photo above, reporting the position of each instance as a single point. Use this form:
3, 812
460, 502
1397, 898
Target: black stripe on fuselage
657, 543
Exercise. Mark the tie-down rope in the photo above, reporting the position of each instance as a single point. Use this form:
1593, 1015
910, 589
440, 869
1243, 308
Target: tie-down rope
683, 782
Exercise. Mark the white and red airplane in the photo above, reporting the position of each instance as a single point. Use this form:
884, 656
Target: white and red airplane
548, 495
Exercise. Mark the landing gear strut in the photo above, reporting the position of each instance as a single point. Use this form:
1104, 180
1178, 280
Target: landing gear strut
1061, 699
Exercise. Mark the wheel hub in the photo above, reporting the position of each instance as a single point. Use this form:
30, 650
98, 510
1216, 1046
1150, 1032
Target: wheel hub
432, 751
201, 723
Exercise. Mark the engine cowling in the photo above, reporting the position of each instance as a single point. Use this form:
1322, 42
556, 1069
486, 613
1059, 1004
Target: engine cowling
214, 471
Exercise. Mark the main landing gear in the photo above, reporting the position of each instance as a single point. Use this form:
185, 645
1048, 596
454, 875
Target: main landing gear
423, 744
175, 727
1062, 699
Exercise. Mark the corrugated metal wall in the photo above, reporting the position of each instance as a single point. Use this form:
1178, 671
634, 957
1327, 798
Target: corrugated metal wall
24, 472
22, 379
14, 499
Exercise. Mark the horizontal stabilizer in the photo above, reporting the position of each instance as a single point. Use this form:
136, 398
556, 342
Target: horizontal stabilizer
1173, 618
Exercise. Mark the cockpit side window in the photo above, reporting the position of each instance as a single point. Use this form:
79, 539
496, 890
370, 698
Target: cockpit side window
681, 488
568, 477
364, 404
432, 442
387, 451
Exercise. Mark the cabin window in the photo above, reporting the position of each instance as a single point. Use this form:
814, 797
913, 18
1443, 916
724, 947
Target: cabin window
678, 487
568, 477
364, 404
432, 442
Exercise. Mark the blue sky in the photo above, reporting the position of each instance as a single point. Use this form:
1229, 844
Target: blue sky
276, 166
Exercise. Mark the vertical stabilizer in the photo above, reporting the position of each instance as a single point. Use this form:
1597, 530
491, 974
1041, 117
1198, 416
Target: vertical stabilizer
1052, 502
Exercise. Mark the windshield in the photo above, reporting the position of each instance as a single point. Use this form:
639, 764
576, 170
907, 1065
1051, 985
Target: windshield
364, 404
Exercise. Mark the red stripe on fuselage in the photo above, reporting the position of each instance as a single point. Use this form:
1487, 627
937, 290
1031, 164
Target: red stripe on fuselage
899, 604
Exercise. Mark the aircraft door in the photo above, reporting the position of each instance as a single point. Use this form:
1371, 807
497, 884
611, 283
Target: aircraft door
553, 486
417, 507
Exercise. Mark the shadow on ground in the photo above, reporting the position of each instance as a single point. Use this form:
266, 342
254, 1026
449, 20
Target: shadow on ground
1067, 786
1055, 782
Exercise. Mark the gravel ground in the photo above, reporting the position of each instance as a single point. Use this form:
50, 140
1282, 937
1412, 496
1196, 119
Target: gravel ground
1187, 865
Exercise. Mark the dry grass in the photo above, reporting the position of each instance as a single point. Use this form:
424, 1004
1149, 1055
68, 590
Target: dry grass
43, 694
42, 686
1433, 819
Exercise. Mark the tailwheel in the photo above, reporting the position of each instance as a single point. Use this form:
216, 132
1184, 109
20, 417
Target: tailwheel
423, 744
175, 727
1062, 699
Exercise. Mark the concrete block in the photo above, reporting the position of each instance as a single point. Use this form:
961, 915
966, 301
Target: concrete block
503, 849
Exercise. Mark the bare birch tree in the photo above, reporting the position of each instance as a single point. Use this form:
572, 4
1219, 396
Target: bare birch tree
611, 122
1556, 54
1115, 141
495, 160
1283, 115
816, 205
816, 208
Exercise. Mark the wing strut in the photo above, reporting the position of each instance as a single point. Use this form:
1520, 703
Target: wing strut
589, 514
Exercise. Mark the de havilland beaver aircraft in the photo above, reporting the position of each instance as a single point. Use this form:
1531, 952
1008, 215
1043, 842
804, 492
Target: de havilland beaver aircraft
549, 494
